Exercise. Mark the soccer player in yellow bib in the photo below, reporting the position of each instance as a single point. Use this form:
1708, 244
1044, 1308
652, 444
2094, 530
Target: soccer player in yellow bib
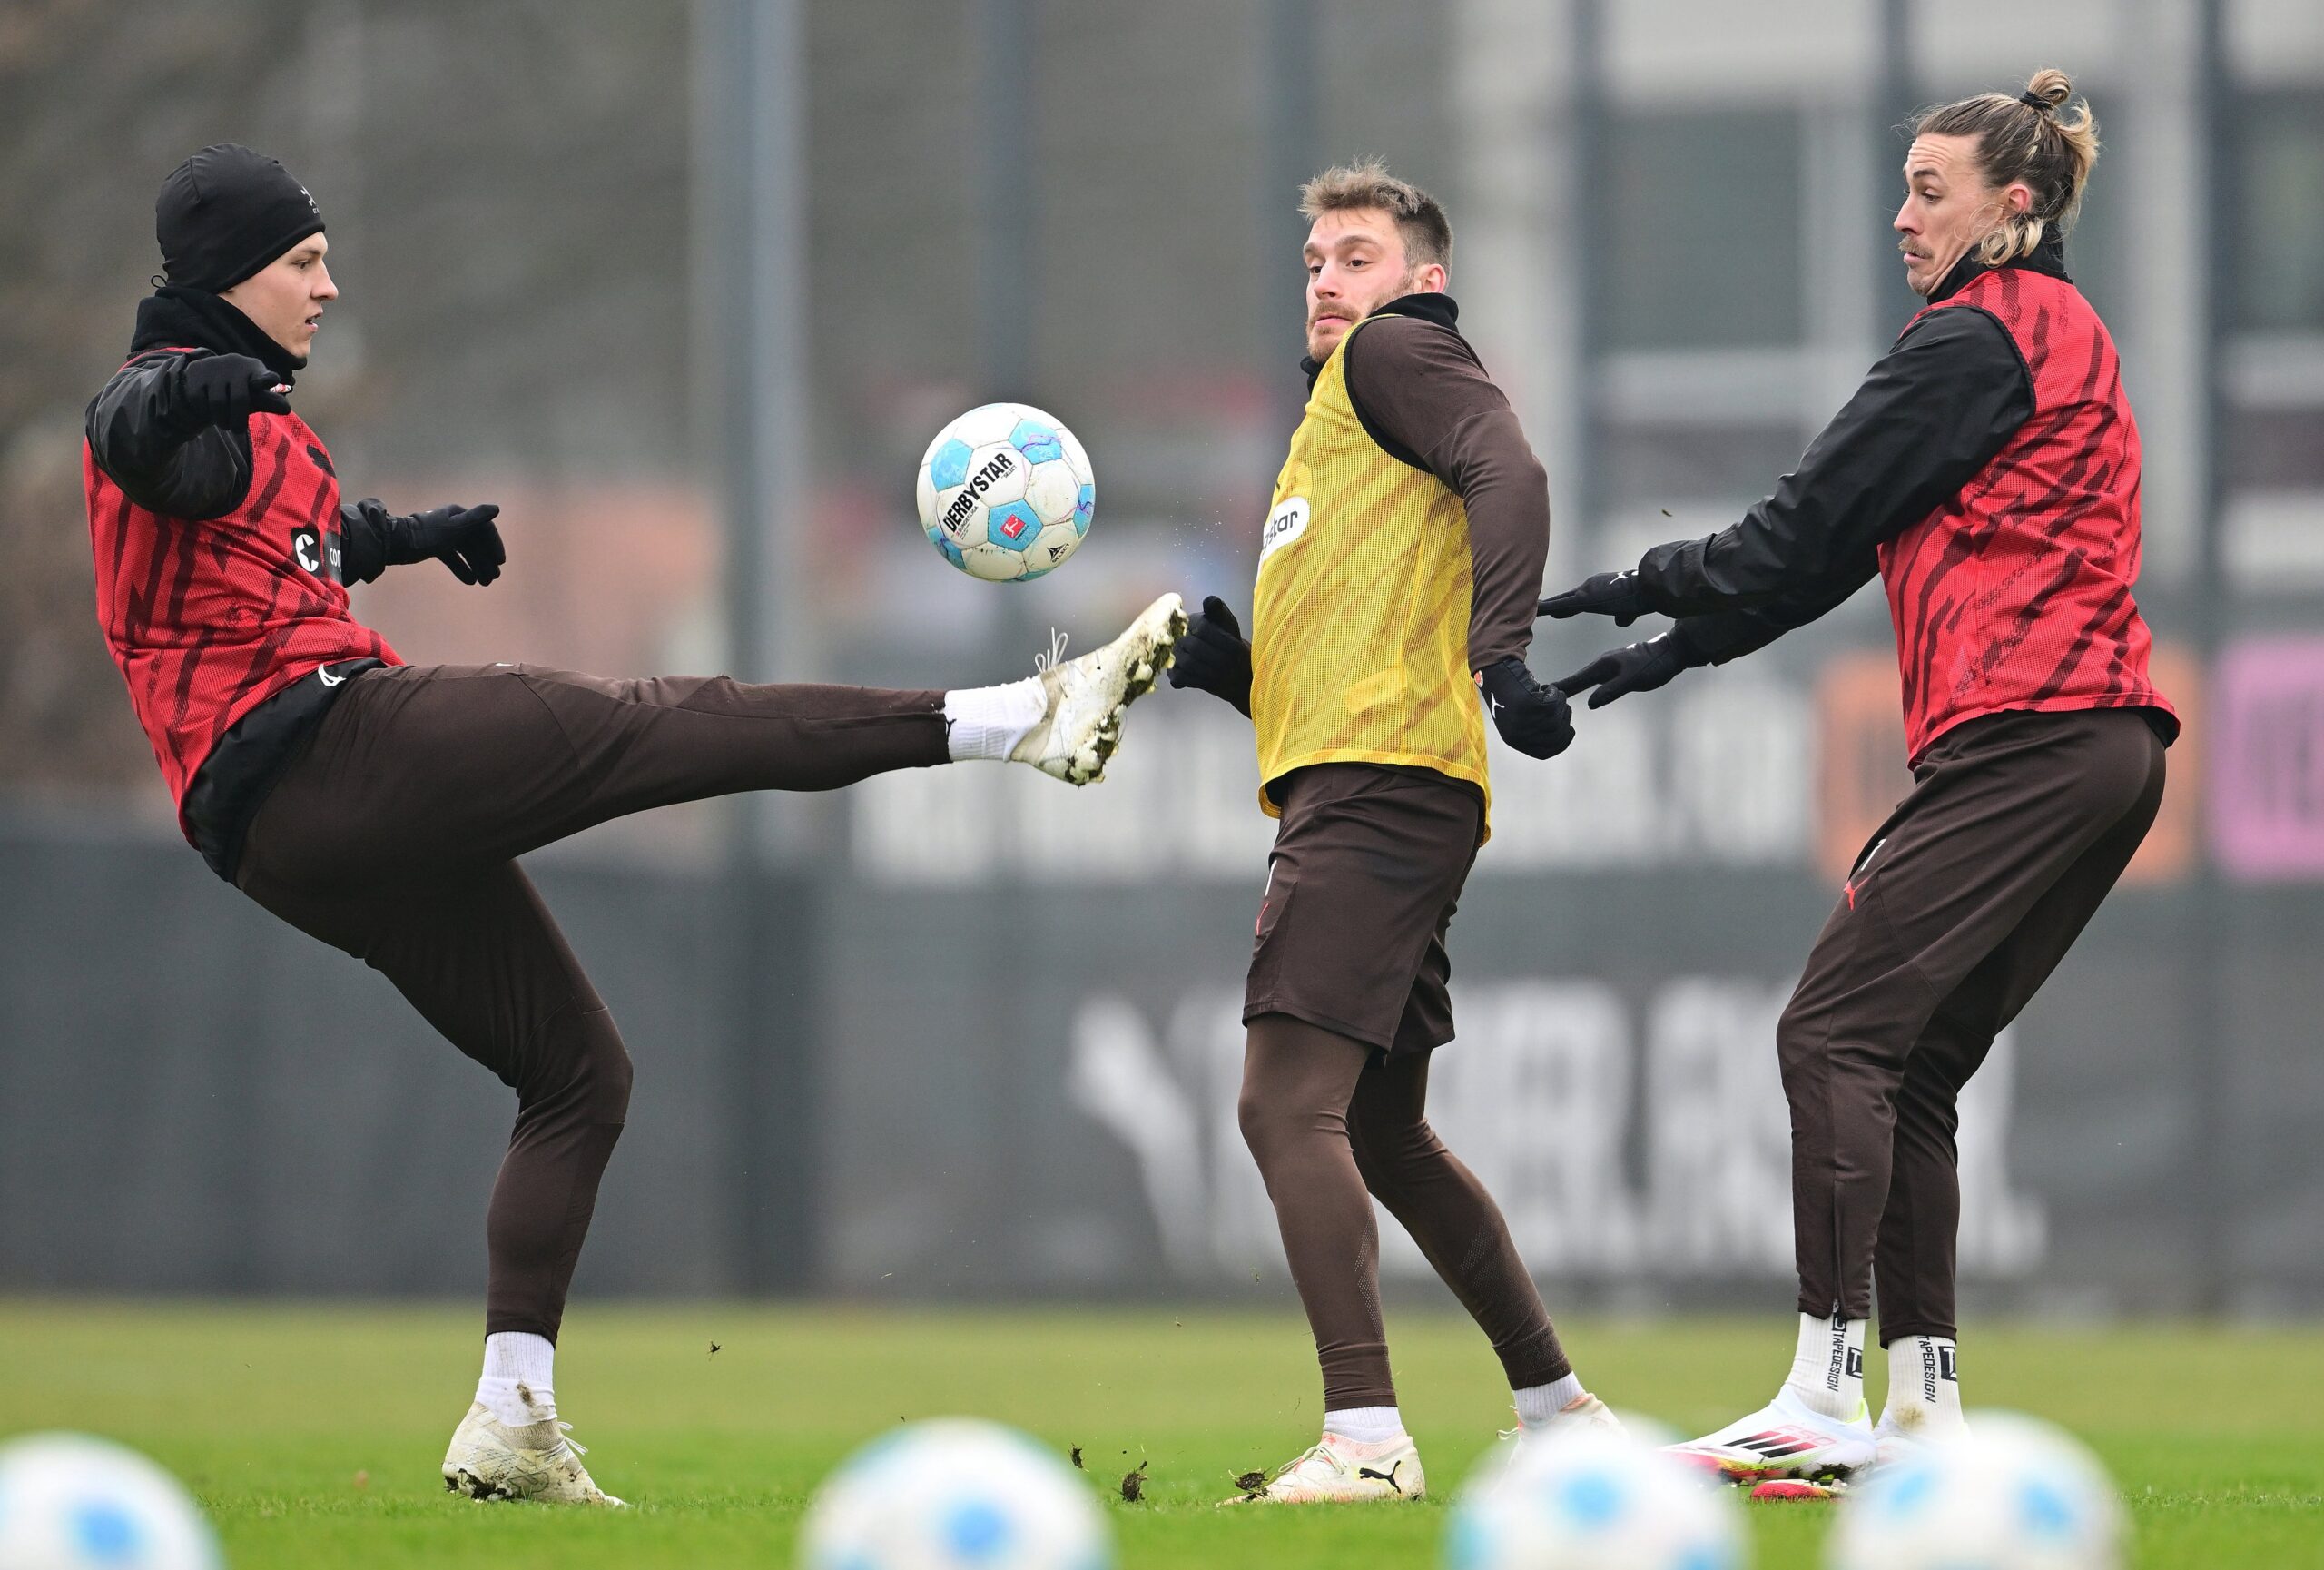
1395, 602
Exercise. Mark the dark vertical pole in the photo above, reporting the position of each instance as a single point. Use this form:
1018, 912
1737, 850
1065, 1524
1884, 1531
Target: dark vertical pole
1896, 100
1008, 196
1591, 217
2209, 1029
1290, 153
750, 126
1008, 184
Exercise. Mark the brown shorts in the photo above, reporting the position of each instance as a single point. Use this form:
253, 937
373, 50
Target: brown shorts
1367, 869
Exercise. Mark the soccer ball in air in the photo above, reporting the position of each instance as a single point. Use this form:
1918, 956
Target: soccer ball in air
68, 1502
1592, 1500
954, 1494
2009, 1493
1006, 493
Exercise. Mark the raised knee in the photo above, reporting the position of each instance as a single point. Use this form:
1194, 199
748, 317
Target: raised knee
612, 1074
584, 1070
606, 1069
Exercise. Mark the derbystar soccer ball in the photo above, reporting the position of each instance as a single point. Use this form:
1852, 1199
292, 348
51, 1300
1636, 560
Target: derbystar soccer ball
2009, 1494
68, 1502
1592, 1500
954, 1494
1006, 493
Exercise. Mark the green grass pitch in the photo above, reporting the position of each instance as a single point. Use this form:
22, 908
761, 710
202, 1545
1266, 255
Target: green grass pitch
312, 1434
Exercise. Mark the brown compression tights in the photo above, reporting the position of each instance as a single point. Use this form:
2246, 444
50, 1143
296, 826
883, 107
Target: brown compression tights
1332, 1124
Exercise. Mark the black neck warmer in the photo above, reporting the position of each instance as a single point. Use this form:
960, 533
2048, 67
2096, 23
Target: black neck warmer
174, 317
1438, 307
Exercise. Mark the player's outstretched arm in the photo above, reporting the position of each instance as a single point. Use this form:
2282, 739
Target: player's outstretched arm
464, 539
1930, 415
165, 429
1215, 657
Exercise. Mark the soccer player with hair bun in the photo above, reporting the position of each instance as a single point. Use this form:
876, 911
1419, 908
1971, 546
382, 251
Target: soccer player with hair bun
1987, 472
381, 807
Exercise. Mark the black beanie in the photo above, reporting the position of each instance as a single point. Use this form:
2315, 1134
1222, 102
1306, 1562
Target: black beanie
227, 211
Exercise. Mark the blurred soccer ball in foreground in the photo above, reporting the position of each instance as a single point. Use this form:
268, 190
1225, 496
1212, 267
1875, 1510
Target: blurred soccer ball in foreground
1006, 493
954, 1494
2010, 1494
72, 1502
1591, 1501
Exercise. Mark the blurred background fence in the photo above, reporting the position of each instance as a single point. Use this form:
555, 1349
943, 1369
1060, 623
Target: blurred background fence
687, 288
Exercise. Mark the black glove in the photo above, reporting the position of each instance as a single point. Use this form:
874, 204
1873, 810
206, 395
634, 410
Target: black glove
1633, 667
1534, 719
228, 388
1214, 657
1616, 594
463, 538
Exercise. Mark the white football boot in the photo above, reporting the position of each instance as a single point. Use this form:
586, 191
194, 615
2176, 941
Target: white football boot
491, 1460
1082, 724
1786, 1439
1338, 1471
1894, 1441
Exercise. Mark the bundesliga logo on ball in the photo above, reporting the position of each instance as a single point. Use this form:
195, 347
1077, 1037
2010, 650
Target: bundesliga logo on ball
1006, 493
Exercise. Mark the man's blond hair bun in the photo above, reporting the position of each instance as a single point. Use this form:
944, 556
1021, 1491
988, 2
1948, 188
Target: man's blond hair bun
2026, 140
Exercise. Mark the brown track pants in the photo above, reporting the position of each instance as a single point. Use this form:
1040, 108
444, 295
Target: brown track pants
1346, 1002
1959, 908
393, 836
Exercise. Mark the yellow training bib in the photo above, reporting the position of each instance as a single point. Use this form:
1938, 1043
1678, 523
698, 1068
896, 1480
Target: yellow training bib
1360, 623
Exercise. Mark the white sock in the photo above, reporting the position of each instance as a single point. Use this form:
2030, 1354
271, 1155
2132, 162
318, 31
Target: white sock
1365, 1425
1827, 1370
1923, 1383
518, 1385
1537, 1404
988, 722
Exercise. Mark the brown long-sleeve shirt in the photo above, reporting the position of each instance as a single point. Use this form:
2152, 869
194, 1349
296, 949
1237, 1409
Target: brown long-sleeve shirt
1424, 397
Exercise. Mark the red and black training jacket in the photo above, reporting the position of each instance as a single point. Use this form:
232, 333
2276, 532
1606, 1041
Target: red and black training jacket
221, 555
1987, 471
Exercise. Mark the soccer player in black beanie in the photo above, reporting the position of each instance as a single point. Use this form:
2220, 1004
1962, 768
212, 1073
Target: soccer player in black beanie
381, 807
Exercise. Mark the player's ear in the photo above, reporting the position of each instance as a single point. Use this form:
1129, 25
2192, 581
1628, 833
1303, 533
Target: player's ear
1431, 279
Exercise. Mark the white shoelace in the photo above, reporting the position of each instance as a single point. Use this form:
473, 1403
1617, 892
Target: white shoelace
1288, 1467
1049, 659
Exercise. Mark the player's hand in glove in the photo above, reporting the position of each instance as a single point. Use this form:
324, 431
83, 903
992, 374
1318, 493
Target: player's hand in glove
1633, 667
464, 539
1213, 656
226, 389
1615, 594
1534, 719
